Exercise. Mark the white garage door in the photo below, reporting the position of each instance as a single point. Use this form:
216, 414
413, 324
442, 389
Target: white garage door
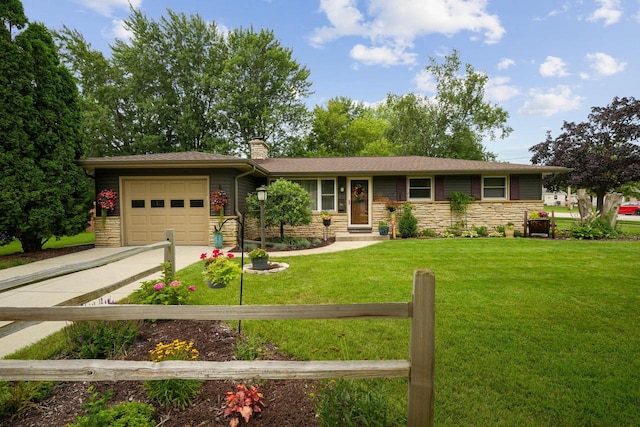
152, 205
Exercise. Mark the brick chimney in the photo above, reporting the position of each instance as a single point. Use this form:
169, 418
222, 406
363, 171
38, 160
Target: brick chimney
259, 149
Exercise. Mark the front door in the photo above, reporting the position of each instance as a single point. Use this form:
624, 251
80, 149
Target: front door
359, 203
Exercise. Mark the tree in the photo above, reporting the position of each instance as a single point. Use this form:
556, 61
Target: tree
43, 193
454, 123
263, 91
287, 204
603, 152
181, 84
346, 128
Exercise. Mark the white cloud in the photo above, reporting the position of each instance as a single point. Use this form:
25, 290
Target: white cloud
498, 89
106, 7
609, 12
395, 25
383, 55
556, 100
425, 82
605, 65
553, 67
118, 30
506, 63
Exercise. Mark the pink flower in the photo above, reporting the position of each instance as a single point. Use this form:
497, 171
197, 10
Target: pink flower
175, 283
158, 286
230, 255
192, 288
203, 256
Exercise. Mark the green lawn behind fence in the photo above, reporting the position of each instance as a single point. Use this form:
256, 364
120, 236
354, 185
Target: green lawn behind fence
529, 331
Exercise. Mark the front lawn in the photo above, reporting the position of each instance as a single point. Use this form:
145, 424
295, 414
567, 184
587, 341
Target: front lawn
529, 331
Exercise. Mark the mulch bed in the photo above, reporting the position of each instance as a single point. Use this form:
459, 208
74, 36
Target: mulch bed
286, 401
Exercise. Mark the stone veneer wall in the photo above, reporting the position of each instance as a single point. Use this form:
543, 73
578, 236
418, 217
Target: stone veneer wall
432, 215
108, 235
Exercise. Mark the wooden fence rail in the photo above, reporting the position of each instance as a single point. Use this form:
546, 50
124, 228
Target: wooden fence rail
419, 368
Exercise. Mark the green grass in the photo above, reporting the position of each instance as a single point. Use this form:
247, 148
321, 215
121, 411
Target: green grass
15, 247
529, 331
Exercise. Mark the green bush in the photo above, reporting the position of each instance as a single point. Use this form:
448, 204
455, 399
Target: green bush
100, 339
482, 231
428, 232
130, 414
351, 403
594, 230
408, 223
178, 393
249, 348
18, 396
163, 291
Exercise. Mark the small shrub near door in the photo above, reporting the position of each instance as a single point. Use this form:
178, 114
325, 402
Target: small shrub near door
408, 223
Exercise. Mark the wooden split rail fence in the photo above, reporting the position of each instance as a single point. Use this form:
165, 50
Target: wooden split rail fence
419, 368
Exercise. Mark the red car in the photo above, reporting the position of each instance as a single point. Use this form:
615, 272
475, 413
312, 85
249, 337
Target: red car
629, 208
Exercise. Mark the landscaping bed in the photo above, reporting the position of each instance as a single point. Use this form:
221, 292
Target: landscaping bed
286, 401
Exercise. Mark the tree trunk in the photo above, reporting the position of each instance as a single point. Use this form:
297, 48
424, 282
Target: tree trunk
612, 202
30, 243
584, 205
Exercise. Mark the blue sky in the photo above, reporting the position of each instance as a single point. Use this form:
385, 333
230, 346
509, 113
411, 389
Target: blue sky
547, 61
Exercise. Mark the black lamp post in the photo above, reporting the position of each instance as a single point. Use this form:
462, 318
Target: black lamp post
262, 196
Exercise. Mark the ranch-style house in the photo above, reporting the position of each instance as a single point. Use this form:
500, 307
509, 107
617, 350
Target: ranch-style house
172, 190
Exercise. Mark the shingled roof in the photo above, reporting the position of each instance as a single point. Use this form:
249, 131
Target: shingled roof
398, 165
393, 166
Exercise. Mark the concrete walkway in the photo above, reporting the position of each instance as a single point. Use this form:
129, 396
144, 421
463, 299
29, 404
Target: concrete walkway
55, 291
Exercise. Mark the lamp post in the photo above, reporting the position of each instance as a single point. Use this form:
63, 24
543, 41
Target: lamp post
262, 196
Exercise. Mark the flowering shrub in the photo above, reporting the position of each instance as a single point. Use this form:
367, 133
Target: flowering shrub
538, 215
165, 290
107, 200
243, 403
220, 269
176, 392
219, 200
175, 350
325, 215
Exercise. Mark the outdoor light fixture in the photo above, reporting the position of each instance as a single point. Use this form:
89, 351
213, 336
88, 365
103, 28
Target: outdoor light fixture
262, 193
262, 196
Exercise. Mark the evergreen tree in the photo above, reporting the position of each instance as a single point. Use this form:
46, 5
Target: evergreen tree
43, 193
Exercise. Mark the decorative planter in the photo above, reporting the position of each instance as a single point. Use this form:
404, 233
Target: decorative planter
539, 226
260, 263
383, 231
509, 232
326, 222
216, 285
218, 240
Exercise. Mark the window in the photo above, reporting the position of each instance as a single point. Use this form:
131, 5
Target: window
157, 203
494, 187
137, 204
419, 188
322, 192
196, 203
177, 203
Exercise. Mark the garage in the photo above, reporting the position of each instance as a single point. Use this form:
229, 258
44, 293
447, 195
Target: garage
151, 205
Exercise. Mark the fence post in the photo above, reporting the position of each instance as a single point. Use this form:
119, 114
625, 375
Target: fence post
170, 251
422, 350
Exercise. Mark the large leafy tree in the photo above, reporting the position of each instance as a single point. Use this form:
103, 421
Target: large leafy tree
287, 204
346, 128
181, 84
455, 122
43, 193
603, 152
